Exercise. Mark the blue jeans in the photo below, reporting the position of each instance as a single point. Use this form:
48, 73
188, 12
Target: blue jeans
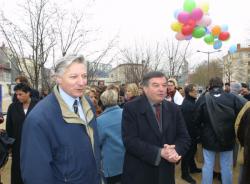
226, 162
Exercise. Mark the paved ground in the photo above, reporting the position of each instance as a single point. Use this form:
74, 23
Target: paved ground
6, 176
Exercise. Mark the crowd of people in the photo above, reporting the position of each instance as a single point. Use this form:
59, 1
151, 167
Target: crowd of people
129, 134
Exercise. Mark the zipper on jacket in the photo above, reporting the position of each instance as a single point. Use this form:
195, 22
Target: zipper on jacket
65, 180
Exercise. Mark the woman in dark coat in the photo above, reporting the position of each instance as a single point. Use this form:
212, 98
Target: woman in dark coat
188, 164
16, 115
1, 121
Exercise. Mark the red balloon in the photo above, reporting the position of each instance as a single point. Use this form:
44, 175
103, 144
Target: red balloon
187, 30
224, 36
191, 22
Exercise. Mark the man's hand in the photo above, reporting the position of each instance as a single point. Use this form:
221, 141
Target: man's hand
169, 153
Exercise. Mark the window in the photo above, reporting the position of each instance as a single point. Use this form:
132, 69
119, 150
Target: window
5, 76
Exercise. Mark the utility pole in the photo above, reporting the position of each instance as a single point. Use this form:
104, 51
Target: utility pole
208, 54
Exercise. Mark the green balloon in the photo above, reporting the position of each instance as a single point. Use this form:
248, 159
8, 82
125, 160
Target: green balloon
199, 32
189, 5
209, 39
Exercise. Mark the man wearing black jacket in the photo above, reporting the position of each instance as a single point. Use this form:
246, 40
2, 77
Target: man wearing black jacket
154, 135
215, 115
188, 107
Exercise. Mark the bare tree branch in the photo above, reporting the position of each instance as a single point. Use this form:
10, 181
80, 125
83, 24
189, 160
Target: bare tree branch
176, 53
34, 38
141, 59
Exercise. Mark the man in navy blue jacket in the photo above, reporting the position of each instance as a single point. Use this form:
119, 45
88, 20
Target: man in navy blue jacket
59, 140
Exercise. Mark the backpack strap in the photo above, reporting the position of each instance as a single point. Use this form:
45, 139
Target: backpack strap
222, 118
209, 103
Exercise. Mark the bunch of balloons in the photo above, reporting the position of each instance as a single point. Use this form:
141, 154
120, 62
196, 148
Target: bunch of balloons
194, 22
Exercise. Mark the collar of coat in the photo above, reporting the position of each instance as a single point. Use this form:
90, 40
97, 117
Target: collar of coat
110, 108
71, 117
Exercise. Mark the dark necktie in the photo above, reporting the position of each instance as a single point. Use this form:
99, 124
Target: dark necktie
158, 112
75, 106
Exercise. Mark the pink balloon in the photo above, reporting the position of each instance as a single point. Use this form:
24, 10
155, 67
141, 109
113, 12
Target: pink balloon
205, 21
180, 36
197, 14
183, 17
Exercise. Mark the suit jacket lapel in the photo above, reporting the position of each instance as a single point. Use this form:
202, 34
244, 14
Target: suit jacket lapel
150, 116
165, 115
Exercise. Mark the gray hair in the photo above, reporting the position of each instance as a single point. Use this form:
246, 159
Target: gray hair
66, 61
235, 87
109, 97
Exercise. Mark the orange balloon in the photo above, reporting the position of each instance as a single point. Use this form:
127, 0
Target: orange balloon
216, 30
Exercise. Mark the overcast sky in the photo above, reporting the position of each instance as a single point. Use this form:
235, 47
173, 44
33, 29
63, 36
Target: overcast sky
149, 20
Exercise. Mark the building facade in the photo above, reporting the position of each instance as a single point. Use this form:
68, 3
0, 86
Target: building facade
5, 79
236, 66
127, 73
183, 78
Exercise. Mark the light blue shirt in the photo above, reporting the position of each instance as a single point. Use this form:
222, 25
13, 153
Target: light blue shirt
69, 100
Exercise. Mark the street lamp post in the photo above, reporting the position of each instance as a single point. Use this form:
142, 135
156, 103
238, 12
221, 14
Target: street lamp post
208, 55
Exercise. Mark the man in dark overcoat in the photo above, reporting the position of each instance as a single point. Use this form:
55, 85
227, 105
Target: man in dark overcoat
154, 135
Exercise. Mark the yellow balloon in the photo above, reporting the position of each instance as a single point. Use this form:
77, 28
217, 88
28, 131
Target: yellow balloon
204, 6
176, 26
210, 43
